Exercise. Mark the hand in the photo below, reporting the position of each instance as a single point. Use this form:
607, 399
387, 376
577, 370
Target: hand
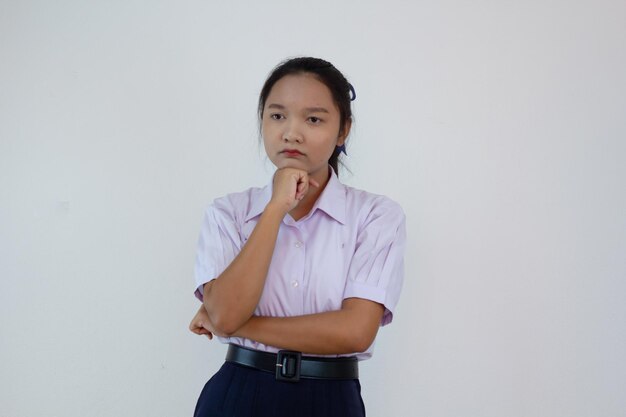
201, 324
290, 187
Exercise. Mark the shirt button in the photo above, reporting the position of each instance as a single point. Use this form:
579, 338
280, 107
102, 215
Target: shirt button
298, 244
294, 283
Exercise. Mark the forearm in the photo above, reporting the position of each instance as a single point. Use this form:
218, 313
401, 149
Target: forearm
230, 299
348, 330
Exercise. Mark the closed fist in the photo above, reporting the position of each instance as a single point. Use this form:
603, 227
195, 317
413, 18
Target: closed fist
290, 187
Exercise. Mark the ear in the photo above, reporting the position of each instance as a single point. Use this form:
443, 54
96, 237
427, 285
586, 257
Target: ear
343, 133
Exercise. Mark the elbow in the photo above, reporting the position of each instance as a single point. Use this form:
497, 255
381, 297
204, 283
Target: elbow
360, 343
223, 321
359, 337
224, 324
361, 322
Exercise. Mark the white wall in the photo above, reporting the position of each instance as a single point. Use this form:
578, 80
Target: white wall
499, 126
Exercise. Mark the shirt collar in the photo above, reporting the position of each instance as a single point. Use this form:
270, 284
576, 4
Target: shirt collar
259, 201
332, 201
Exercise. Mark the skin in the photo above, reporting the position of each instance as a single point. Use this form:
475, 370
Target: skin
301, 128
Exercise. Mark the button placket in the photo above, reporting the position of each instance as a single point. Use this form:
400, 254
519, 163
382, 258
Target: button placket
298, 245
296, 284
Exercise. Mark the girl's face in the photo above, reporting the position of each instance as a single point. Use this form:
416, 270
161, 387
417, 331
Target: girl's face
301, 125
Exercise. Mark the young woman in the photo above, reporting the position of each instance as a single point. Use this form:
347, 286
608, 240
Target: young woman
297, 276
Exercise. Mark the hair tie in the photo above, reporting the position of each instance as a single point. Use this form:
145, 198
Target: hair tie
341, 148
352, 92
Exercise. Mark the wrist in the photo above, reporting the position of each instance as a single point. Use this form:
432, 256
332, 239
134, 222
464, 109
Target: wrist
274, 209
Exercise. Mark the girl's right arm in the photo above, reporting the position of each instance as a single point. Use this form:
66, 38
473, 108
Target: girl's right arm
231, 298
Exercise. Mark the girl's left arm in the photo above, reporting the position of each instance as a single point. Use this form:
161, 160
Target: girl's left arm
351, 329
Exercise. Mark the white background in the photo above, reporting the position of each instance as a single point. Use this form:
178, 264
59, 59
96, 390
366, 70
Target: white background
499, 126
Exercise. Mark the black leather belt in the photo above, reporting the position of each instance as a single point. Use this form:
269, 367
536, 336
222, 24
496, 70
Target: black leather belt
290, 366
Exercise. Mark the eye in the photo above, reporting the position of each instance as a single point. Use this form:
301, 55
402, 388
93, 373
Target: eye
315, 120
276, 116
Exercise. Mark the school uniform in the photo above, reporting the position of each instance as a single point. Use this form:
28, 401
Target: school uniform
351, 244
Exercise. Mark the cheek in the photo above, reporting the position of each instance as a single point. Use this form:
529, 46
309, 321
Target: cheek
271, 131
266, 136
268, 148
330, 141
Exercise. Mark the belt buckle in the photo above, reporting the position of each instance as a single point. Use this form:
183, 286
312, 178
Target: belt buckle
288, 365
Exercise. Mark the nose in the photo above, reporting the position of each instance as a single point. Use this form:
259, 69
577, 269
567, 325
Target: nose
292, 133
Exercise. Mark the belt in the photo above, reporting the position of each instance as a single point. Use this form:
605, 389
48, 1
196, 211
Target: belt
290, 366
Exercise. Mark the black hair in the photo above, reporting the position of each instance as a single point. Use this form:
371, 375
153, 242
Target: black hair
341, 90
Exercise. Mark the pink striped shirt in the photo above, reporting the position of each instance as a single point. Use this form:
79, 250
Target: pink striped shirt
351, 244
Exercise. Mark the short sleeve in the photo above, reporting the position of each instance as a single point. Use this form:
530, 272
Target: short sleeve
218, 244
376, 271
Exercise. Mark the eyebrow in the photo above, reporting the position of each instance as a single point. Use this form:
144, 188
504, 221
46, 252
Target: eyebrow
308, 109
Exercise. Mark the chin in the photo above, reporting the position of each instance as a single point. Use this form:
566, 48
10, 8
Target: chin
291, 164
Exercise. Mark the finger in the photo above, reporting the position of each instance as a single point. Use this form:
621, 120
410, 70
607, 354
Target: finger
199, 331
199, 327
299, 193
205, 332
314, 183
302, 189
207, 327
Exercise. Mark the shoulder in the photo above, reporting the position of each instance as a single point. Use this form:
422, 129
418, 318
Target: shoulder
237, 199
368, 206
238, 206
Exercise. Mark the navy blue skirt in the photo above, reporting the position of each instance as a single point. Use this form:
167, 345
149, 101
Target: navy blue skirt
239, 391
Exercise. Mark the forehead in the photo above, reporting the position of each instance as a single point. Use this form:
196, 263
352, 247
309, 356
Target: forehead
301, 90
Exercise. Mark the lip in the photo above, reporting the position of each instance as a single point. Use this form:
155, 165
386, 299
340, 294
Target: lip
291, 152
